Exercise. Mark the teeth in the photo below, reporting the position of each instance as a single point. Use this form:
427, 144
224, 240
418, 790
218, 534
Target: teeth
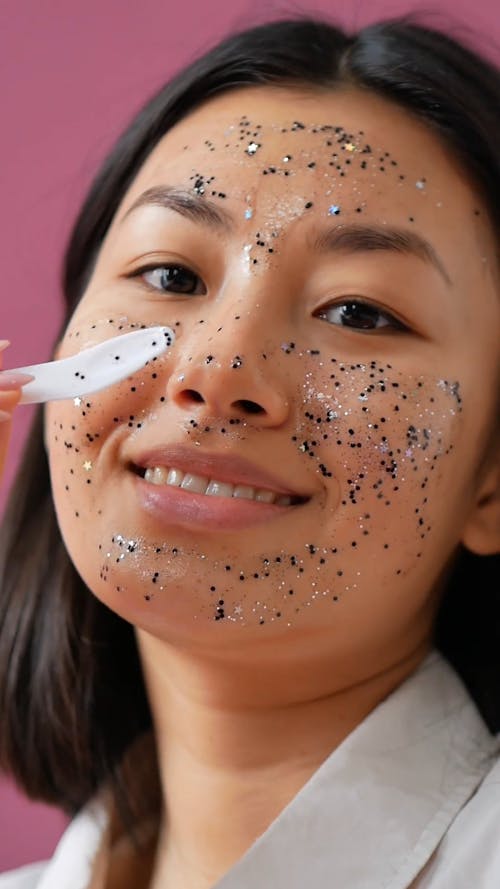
219, 489
245, 492
265, 496
175, 477
283, 501
195, 483
161, 475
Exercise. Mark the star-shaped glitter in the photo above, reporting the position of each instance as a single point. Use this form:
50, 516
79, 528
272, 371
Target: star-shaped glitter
253, 147
77, 402
350, 147
87, 465
238, 609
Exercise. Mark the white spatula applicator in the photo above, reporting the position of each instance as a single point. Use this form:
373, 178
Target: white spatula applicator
95, 368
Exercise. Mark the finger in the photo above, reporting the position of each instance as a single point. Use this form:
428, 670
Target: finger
9, 399
14, 379
8, 402
3, 346
5, 429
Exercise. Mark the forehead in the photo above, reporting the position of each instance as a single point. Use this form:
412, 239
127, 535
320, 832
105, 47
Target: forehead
272, 155
276, 140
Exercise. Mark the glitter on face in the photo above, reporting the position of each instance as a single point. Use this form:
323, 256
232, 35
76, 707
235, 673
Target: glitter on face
364, 438
373, 454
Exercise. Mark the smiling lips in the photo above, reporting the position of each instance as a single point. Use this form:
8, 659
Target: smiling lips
183, 463
197, 489
198, 484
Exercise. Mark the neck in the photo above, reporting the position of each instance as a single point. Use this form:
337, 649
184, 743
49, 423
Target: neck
237, 741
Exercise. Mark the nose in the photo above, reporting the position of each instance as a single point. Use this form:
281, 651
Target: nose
220, 372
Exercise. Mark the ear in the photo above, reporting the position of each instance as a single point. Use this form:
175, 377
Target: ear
482, 530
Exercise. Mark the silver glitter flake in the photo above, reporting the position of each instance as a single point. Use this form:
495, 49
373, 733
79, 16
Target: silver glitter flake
253, 147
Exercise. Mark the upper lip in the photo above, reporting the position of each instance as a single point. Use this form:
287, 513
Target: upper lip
225, 467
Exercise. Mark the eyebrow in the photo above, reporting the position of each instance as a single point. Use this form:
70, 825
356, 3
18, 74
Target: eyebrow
195, 207
342, 238
356, 238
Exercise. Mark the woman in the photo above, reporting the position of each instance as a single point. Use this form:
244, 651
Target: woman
259, 646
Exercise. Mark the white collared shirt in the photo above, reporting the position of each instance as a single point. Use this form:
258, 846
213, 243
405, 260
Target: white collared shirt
409, 800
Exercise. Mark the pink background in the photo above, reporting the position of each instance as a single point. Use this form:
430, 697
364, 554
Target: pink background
72, 74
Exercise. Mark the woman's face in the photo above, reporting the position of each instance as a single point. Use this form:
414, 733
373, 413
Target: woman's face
330, 277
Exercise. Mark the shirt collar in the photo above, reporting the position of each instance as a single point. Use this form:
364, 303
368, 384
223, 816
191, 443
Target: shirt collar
373, 813
370, 817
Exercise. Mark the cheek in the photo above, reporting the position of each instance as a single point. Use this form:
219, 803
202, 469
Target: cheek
84, 435
384, 438
375, 441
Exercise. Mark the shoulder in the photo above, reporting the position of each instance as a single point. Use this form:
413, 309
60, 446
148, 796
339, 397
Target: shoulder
23, 877
471, 847
73, 858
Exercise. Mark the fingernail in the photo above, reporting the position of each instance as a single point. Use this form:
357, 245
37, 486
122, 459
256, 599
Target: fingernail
4, 344
4, 415
12, 380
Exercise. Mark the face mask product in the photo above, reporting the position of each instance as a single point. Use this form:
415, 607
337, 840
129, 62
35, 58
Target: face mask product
95, 368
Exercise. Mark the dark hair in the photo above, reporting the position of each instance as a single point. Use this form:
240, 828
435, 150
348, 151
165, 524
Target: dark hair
72, 695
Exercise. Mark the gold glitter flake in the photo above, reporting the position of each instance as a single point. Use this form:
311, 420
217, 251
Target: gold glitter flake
87, 465
350, 146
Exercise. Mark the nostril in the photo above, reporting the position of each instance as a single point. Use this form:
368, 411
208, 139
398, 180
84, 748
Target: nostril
250, 407
192, 395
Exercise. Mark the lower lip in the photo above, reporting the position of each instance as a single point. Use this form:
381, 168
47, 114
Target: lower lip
176, 506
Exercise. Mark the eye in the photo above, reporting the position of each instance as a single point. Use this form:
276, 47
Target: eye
360, 315
171, 279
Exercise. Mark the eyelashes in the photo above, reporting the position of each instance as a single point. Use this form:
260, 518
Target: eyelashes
354, 313
178, 278
362, 315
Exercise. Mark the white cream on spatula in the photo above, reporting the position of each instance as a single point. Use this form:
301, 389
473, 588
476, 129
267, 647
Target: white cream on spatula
95, 368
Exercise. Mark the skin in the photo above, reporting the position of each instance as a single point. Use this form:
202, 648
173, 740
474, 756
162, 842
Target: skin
249, 697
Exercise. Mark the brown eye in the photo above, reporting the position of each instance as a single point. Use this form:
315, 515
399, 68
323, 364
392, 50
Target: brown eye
359, 315
171, 279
